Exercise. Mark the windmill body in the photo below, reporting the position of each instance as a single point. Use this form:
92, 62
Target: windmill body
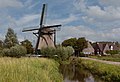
47, 39
46, 35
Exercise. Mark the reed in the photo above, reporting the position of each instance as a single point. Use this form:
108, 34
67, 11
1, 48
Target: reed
29, 70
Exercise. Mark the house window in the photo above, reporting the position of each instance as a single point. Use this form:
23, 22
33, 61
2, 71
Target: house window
111, 47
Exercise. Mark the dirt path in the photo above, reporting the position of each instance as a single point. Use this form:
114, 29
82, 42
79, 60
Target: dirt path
103, 61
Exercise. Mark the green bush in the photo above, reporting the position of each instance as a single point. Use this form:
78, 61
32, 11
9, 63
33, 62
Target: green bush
112, 52
1, 53
61, 53
49, 51
6, 52
15, 51
64, 53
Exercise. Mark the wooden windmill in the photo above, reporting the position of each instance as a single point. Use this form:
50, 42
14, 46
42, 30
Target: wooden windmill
46, 35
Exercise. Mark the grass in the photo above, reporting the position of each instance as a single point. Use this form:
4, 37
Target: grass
29, 70
107, 72
107, 58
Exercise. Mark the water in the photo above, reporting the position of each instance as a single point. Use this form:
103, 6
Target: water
73, 73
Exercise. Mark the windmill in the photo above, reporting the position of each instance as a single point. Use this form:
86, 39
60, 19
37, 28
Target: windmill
46, 35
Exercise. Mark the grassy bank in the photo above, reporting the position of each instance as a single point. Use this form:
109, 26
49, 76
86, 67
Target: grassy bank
29, 70
107, 72
107, 58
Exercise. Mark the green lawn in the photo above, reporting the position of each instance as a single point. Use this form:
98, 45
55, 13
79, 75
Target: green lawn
29, 70
107, 58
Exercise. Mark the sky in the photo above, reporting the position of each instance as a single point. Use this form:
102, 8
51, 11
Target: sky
96, 20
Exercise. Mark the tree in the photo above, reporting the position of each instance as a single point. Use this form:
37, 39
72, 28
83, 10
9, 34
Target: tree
28, 45
78, 44
1, 44
10, 39
69, 42
81, 43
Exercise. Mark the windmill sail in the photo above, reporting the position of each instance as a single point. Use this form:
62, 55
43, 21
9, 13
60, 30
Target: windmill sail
46, 35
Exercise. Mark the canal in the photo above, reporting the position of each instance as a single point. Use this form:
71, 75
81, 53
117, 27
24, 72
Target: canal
74, 73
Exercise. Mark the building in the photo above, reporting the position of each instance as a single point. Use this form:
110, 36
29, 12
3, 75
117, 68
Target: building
89, 50
102, 47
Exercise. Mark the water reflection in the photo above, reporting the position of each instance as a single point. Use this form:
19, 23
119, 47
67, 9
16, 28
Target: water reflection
73, 73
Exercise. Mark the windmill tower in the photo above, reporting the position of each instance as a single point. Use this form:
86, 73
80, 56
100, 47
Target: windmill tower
46, 35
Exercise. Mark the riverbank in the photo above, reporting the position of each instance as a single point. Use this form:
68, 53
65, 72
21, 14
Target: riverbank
29, 70
73, 72
107, 72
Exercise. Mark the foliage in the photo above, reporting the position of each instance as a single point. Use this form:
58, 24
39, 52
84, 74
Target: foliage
10, 38
107, 72
81, 44
112, 52
15, 51
78, 44
1, 53
49, 51
62, 53
69, 42
1, 45
29, 70
28, 45
6, 52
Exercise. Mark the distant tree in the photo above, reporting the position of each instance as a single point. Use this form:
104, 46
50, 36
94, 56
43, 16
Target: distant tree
78, 44
81, 43
28, 45
10, 38
69, 42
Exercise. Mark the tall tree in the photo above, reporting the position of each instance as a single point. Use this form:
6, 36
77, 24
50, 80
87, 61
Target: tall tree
10, 38
28, 45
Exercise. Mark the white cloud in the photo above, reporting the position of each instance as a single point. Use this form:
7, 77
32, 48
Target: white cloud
75, 31
27, 19
110, 2
63, 21
10, 3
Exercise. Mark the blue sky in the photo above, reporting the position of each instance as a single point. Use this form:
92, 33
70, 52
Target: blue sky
97, 20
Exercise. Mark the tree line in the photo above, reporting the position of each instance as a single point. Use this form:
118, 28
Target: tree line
12, 47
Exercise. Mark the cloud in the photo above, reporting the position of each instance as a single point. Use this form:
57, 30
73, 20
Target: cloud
26, 19
110, 2
10, 3
75, 31
63, 21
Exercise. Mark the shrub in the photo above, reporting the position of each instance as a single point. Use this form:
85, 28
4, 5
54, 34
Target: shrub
49, 51
112, 52
15, 51
62, 53
6, 52
1, 53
